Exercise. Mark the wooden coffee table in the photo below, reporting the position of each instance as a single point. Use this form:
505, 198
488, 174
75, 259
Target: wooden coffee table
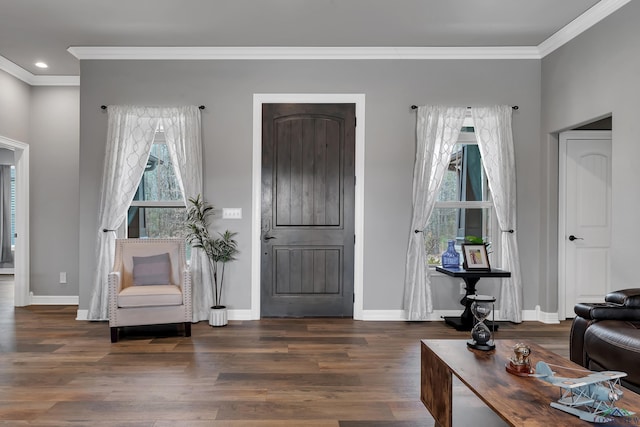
519, 401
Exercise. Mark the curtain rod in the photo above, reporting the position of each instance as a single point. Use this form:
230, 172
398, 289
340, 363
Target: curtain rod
202, 107
414, 107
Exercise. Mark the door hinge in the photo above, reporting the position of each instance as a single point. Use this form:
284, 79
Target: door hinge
354, 239
354, 297
355, 121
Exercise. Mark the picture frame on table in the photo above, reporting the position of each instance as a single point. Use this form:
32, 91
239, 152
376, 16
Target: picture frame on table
475, 257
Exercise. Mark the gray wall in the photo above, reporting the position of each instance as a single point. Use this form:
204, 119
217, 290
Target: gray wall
46, 118
593, 76
227, 88
53, 141
568, 88
14, 108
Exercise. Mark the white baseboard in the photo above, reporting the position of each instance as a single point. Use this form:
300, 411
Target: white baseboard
540, 316
239, 314
392, 315
232, 314
437, 315
54, 299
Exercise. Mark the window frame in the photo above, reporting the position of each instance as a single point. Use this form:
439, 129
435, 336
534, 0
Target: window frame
170, 204
495, 250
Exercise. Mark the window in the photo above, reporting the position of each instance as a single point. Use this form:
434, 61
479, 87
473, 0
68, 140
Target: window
464, 206
157, 210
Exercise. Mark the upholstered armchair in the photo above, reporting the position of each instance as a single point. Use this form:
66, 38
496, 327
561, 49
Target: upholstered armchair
150, 284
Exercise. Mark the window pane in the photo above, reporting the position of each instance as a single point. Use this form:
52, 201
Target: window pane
464, 179
158, 182
155, 222
454, 224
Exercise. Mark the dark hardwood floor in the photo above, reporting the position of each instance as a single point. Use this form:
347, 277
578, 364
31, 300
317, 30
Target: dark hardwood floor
57, 371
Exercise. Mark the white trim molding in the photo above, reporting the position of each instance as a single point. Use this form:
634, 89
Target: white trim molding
36, 80
536, 315
582, 23
54, 299
318, 98
303, 53
389, 315
238, 314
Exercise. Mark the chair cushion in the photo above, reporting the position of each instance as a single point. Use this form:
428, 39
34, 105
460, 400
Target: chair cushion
150, 296
151, 270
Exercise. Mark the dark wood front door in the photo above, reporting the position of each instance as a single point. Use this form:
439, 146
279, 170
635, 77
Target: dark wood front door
308, 179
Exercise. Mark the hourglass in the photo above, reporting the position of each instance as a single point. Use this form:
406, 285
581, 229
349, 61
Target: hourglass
481, 337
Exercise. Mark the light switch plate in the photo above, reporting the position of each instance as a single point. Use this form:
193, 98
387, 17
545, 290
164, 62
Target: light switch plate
231, 213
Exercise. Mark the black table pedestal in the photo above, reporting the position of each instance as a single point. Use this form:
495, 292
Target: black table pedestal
466, 321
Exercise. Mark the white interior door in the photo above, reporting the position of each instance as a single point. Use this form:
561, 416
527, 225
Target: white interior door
585, 218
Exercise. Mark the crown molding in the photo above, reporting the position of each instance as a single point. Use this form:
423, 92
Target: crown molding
16, 71
300, 53
36, 80
55, 81
588, 19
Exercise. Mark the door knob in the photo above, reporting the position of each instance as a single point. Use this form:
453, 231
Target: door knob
572, 238
267, 237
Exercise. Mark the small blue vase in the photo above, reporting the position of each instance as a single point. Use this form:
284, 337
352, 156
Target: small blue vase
451, 257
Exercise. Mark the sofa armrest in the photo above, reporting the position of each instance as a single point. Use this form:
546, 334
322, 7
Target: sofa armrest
576, 340
606, 311
626, 297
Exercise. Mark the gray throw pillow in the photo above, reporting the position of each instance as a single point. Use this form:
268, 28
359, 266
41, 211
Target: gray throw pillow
151, 270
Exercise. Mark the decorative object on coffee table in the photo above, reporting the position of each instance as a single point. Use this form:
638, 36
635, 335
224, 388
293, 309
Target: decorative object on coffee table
520, 364
481, 336
591, 398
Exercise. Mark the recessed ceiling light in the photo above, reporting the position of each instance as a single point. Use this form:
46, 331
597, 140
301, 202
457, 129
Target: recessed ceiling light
41, 65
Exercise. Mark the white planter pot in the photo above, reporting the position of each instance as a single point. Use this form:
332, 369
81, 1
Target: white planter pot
218, 316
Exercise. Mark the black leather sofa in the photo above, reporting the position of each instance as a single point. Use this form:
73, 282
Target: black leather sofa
606, 336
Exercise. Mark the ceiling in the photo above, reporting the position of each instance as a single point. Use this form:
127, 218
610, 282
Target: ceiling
37, 30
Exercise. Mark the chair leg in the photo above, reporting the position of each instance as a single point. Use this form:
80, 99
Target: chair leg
187, 329
114, 334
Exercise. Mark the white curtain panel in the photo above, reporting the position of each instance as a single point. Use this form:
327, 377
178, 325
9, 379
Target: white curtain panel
495, 141
437, 130
129, 138
130, 135
183, 138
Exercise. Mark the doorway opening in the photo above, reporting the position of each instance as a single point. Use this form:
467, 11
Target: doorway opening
584, 214
20, 238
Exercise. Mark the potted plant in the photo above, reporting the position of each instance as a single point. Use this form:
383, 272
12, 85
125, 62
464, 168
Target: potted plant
219, 249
